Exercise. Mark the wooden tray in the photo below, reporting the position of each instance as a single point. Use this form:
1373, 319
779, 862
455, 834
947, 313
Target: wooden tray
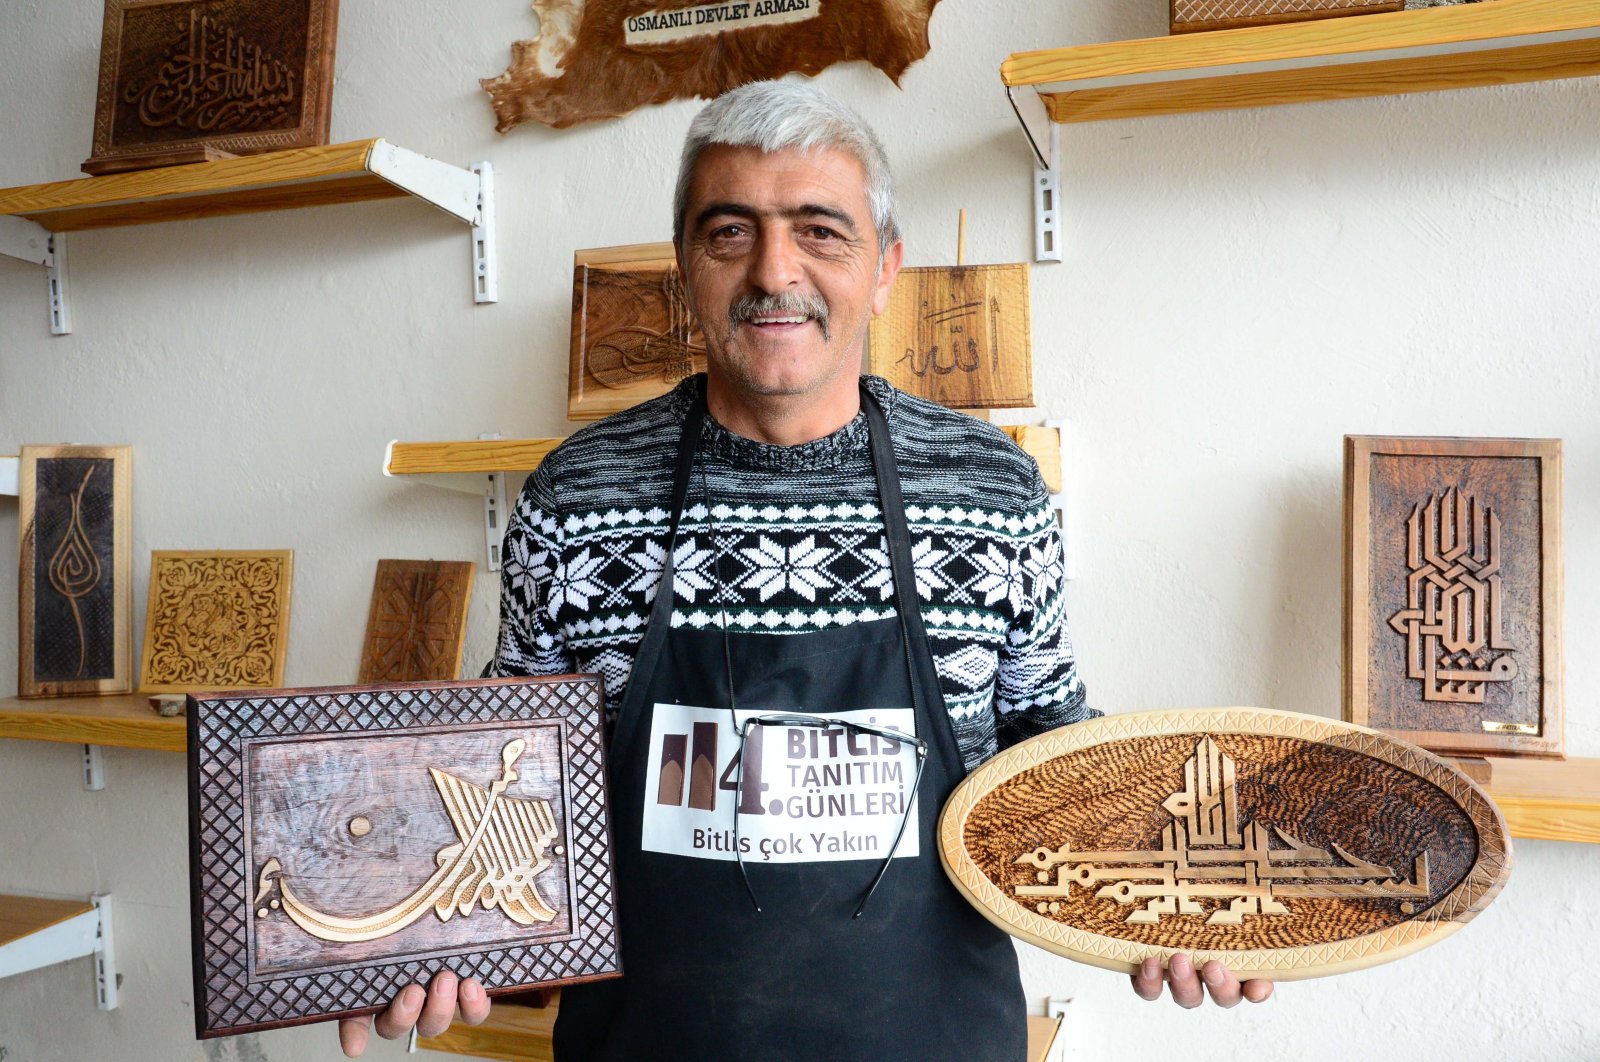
1287, 846
348, 841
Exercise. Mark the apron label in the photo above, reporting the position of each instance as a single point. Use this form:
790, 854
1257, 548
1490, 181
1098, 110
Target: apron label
808, 794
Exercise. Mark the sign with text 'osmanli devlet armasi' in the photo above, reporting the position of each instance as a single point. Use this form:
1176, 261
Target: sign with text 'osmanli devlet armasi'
1287, 846
349, 841
598, 59
192, 80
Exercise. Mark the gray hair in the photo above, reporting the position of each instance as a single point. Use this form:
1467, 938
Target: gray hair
779, 115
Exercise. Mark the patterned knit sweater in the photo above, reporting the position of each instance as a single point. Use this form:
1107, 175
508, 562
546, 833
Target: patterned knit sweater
802, 548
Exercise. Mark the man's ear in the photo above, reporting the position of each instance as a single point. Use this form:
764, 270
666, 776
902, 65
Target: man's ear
886, 274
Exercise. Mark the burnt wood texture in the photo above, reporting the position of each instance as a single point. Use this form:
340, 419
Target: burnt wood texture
190, 80
75, 573
1288, 846
216, 620
417, 624
1189, 16
1453, 579
349, 841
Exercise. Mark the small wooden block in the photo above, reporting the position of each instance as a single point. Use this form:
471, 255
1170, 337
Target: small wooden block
1477, 768
958, 335
217, 620
417, 625
345, 839
1287, 846
633, 337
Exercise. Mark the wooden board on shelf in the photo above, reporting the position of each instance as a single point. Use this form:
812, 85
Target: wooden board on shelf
957, 335
1457, 46
1452, 592
75, 571
417, 624
21, 916
1552, 800
1190, 16
126, 720
466, 456
217, 620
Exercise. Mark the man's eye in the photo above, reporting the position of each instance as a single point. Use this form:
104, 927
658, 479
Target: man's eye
822, 232
728, 232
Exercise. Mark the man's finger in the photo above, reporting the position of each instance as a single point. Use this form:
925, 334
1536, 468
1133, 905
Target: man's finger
1186, 990
402, 1013
1147, 982
353, 1034
1220, 982
441, 1004
474, 1002
1257, 990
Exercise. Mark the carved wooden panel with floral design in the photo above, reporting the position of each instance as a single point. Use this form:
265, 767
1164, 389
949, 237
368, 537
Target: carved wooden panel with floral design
418, 621
217, 620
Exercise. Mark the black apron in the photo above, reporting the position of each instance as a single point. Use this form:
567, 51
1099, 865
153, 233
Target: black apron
919, 975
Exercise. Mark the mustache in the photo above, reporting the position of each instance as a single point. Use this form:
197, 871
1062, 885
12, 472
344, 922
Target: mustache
786, 304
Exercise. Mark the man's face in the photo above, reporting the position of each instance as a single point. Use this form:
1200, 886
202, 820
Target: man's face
780, 260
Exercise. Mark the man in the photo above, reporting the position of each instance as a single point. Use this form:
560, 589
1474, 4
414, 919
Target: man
853, 572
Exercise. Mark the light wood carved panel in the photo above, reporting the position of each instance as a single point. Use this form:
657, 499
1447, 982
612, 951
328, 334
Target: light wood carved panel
1453, 592
1288, 846
418, 621
958, 335
633, 337
348, 841
216, 620
75, 574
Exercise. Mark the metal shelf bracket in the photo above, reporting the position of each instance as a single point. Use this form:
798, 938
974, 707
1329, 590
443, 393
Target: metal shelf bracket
467, 195
88, 933
32, 242
10, 475
1058, 501
485, 258
94, 769
1046, 184
494, 512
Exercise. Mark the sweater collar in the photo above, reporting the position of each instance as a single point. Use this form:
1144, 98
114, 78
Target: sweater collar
848, 445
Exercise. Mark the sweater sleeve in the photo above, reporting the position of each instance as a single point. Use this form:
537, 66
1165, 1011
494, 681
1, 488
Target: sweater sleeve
1038, 687
530, 641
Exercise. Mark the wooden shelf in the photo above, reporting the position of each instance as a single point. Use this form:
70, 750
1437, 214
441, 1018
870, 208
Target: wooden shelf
1551, 800
125, 720
36, 932
515, 1033
1493, 43
22, 916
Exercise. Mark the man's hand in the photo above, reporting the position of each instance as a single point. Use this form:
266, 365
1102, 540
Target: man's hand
1225, 989
429, 1011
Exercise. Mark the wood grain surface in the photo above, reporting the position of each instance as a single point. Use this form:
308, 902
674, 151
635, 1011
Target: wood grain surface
75, 570
417, 624
216, 620
122, 720
22, 915
1289, 846
1189, 16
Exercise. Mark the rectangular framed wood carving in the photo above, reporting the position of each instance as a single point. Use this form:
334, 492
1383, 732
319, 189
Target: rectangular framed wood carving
190, 80
1189, 16
1453, 580
216, 620
633, 337
76, 570
958, 335
417, 625
348, 841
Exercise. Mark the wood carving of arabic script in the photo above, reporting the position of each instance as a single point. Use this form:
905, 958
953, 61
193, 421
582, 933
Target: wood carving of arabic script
602, 58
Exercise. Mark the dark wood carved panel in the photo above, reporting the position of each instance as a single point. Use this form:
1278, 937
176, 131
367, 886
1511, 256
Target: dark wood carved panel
186, 80
216, 620
601, 58
1452, 592
1288, 846
417, 624
1188, 16
75, 570
633, 337
349, 841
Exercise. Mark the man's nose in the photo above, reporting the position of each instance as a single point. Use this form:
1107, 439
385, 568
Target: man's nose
777, 265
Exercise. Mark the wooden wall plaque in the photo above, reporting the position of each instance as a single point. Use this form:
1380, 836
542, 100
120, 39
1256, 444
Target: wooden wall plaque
1287, 846
348, 841
1453, 578
417, 625
75, 573
633, 337
1189, 16
216, 620
958, 335
190, 80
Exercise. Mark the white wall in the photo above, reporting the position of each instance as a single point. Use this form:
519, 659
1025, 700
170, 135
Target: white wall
1240, 290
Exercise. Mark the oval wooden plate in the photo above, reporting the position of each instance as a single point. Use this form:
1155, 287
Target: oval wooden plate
1286, 845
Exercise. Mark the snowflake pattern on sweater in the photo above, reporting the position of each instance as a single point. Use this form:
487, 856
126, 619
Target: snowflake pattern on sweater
782, 540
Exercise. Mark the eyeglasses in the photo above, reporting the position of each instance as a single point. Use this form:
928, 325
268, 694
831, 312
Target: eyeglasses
824, 721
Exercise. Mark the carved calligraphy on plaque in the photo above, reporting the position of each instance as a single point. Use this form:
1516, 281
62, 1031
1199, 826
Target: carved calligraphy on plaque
417, 624
1453, 590
216, 620
601, 58
190, 80
76, 574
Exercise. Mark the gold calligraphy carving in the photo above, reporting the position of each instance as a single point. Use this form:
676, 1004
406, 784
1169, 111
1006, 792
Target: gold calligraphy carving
214, 81
74, 569
504, 845
1206, 855
1454, 601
